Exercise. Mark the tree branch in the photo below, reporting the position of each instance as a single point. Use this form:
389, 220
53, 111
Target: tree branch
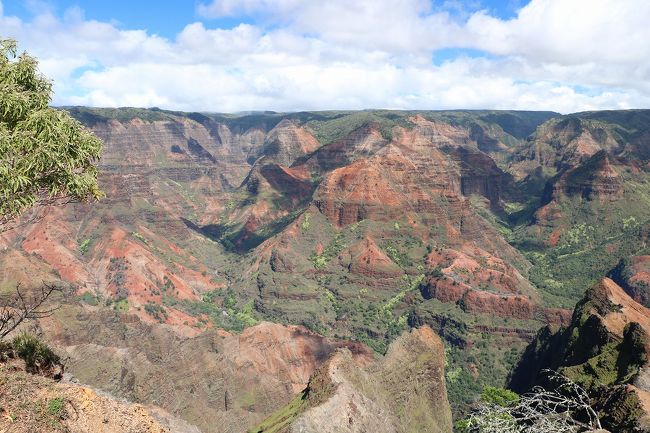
20, 307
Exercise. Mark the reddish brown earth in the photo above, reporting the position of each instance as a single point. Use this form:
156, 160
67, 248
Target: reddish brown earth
627, 311
481, 283
286, 142
363, 190
366, 258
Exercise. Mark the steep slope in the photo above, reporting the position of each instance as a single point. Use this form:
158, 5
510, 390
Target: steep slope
33, 403
217, 381
403, 392
605, 349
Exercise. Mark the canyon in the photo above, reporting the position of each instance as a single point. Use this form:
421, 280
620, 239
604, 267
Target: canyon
277, 265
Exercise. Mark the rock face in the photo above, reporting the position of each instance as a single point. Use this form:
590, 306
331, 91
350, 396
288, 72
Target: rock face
594, 179
287, 142
366, 258
403, 392
605, 349
460, 275
570, 141
633, 275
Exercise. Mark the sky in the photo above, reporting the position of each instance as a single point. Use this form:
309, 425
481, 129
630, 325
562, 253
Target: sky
293, 55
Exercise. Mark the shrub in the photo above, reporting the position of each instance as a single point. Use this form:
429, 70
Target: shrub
156, 311
499, 396
89, 299
121, 304
84, 246
35, 353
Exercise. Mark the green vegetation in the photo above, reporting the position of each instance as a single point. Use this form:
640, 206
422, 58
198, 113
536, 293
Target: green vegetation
401, 259
305, 224
56, 407
44, 153
227, 315
34, 352
334, 125
332, 250
499, 396
92, 116
156, 311
139, 237
491, 396
90, 299
121, 304
84, 246
386, 319
280, 420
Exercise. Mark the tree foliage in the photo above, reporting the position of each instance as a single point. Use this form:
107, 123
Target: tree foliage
45, 155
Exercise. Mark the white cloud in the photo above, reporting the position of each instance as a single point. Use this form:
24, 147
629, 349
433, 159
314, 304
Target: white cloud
569, 32
226, 8
562, 55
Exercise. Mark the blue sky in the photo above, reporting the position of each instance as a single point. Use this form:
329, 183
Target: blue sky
167, 18
285, 55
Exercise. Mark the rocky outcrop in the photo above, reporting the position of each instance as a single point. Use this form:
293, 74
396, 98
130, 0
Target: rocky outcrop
633, 275
295, 182
366, 258
410, 174
287, 142
605, 349
364, 189
361, 143
594, 179
480, 175
569, 141
479, 282
402, 392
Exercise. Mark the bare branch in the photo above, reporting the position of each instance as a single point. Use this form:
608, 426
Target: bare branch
25, 305
34, 214
566, 409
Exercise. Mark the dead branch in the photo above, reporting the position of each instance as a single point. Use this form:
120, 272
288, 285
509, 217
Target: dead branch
36, 213
23, 305
540, 411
